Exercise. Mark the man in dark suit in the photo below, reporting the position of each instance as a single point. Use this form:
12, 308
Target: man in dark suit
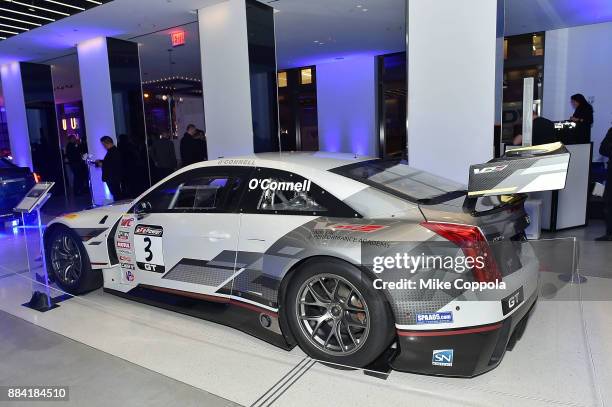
543, 131
111, 168
605, 149
193, 146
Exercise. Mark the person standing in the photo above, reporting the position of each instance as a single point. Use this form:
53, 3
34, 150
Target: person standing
542, 131
111, 167
605, 149
163, 156
193, 146
583, 117
74, 156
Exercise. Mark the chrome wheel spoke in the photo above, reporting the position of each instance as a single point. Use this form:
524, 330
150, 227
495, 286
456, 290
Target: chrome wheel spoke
320, 301
350, 334
338, 334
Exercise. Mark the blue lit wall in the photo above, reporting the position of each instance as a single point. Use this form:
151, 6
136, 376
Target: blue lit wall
346, 104
12, 88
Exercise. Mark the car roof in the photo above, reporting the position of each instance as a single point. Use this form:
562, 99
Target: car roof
319, 160
314, 165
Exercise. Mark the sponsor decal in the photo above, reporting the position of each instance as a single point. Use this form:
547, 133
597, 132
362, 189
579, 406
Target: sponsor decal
124, 245
127, 266
129, 276
358, 228
487, 170
274, 185
348, 227
442, 357
123, 235
124, 258
147, 230
126, 222
435, 318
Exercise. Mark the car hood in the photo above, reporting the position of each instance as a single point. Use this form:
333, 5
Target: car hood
100, 217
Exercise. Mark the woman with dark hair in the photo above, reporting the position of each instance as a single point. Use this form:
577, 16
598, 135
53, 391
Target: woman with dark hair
583, 117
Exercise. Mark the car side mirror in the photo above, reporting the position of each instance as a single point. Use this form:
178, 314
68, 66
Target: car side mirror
142, 207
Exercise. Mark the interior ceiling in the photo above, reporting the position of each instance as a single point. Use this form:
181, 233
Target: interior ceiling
307, 31
18, 16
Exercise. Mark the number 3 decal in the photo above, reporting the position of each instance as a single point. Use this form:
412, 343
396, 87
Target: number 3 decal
147, 249
148, 246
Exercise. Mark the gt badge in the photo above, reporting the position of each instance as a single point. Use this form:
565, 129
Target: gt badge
512, 301
148, 248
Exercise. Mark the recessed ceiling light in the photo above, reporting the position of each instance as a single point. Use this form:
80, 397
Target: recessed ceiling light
65, 5
359, 6
26, 14
321, 43
364, 9
14, 26
32, 8
20, 21
316, 41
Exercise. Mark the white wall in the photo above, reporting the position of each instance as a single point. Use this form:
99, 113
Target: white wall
189, 111
17, 122
225, 78
579, 60
451, 85
97, 106
346, 105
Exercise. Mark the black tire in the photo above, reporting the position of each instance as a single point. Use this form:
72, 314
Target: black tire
87, 280
380, 333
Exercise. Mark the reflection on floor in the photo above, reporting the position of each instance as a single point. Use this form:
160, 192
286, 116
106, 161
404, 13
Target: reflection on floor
562, 359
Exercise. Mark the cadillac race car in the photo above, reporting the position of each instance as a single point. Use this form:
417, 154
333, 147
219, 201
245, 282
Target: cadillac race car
288, 247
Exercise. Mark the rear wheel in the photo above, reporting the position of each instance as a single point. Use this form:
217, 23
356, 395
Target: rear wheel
336, 315
68, 262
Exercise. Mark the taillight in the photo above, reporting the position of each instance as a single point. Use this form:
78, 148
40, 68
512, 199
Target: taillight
36, 177
473, 244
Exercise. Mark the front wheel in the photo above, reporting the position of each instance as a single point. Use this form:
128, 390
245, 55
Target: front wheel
336, 315
69, 263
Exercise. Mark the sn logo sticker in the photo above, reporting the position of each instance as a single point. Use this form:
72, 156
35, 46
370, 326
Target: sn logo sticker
442, 357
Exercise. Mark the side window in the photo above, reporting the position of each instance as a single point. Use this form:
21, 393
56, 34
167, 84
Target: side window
210, 189
283, 192
199, 193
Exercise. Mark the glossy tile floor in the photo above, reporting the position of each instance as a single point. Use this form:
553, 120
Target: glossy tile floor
564, 357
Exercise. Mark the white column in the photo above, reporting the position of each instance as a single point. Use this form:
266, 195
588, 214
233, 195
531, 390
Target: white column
225, 78
17, 122
346, 106
97, 106
451, 85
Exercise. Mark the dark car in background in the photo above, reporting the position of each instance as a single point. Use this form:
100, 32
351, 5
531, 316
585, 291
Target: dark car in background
15, 182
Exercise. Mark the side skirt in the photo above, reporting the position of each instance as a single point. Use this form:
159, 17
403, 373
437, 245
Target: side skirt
245, 317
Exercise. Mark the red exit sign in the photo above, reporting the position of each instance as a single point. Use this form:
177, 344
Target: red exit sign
177, 38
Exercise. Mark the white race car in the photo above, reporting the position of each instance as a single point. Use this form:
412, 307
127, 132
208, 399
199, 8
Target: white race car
289, 248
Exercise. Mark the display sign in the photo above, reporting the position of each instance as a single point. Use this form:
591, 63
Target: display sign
177, 38
35, 197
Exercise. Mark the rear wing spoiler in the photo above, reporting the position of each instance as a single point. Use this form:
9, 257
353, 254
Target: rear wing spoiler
524, 169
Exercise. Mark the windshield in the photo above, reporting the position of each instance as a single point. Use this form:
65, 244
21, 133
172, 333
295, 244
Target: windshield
399, 179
